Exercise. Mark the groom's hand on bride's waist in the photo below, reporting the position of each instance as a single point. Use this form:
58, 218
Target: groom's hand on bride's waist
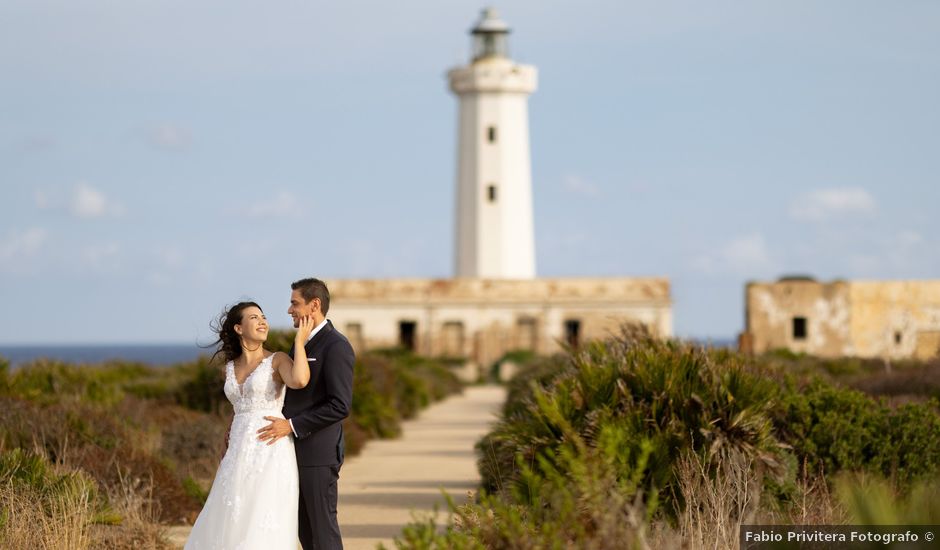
277, 429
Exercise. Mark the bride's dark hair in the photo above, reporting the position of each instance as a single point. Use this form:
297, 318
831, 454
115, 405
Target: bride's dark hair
228, 344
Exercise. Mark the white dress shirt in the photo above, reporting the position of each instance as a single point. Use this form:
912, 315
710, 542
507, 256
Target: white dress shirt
316, 329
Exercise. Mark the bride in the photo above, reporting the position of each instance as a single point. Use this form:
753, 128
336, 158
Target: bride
253, 501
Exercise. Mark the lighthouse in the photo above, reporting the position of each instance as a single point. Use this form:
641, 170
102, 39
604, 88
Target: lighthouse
494, 227
495, 303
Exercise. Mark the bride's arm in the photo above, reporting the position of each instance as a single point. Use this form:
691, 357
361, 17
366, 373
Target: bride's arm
297, 374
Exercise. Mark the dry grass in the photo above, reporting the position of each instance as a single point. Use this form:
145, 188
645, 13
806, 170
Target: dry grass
902, 385
65, 512
719, 496
133, 501
46, 520
721, 499
816, 504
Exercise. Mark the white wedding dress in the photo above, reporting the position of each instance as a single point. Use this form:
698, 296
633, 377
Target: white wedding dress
254, 498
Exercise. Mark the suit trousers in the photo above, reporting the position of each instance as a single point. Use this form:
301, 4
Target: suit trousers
318, 527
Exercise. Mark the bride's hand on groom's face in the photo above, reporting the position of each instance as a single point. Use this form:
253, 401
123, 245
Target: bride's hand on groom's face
304, 329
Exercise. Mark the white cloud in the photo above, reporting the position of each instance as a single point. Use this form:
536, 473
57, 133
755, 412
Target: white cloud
88, 203
279, 205
824, 204
747, 255
580, 186
21, 245
169, 137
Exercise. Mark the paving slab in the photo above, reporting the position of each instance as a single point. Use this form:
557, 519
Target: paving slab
381, 488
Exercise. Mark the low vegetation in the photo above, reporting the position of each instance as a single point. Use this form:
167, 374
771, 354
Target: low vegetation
667, 445
104, 456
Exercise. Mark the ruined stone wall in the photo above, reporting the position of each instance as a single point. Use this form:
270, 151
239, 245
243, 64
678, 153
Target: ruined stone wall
895, 319
888, 319
772, 309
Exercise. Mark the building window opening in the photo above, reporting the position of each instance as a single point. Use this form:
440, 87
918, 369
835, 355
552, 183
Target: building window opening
354, 335
799, 328
491, 134
573, 332
897, 337
528, 333
453, 339
406, 334
491, 193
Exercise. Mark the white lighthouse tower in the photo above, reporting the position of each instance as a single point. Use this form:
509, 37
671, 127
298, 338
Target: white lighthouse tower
495, 236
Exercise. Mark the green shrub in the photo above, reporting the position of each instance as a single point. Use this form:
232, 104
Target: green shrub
913, 442
573, 496
4, 375
391, 385
195, 490
595, 444
639, 392
201, 386
49, 381
373, 405
843, 429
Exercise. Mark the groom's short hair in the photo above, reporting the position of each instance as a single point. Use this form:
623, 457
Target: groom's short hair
313, 288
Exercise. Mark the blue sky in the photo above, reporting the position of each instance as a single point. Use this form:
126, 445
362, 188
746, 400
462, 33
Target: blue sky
159, 160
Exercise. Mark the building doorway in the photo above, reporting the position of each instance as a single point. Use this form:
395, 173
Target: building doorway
406, 334
573, 332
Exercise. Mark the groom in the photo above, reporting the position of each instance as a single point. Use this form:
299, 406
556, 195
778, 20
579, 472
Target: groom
315, 416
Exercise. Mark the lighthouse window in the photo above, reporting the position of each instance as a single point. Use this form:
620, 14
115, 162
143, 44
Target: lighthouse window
491, 193
491, 134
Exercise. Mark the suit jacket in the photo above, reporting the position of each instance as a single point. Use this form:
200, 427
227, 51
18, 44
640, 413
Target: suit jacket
317, 410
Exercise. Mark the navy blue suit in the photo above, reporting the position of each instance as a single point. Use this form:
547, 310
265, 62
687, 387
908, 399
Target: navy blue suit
316, 413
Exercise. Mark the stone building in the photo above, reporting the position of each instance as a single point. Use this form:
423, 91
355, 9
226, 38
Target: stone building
496, 303
482, 319
886, 319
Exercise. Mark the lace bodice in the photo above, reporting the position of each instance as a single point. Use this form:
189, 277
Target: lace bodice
260, 392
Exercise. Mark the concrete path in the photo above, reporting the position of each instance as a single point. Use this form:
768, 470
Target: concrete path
381, 487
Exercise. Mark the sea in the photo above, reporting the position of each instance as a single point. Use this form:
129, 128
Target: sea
151, 354
162, 354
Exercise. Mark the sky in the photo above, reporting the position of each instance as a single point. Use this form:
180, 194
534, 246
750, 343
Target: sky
161, 160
